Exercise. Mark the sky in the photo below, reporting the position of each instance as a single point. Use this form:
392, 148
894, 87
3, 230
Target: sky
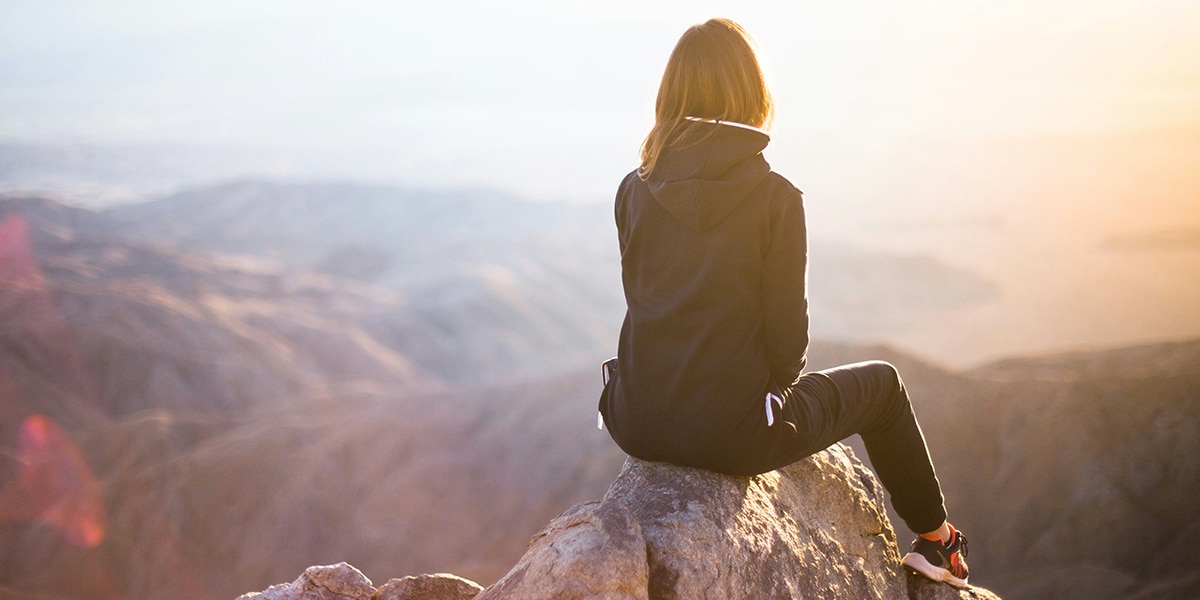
1014, 139
550, 100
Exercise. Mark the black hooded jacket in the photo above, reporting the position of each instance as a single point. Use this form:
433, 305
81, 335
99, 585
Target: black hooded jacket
713, 261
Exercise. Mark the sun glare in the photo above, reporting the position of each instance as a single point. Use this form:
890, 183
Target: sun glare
54, 485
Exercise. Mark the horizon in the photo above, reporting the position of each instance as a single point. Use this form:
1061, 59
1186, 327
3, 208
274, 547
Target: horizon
1011, 141
550, 102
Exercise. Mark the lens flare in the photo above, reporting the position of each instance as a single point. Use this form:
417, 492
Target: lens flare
54, 485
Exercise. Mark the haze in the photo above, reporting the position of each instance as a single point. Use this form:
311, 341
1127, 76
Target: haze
1015, 140
550, 99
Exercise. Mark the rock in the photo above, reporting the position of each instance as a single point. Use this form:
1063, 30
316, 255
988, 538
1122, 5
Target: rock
439, 586
333, 582
344, 582
815, 529
594, 550
920, 588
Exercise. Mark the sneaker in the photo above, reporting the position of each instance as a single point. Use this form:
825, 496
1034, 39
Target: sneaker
938, 561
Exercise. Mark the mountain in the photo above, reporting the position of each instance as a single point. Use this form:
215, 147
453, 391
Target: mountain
243, 414
476, 253
464, 263
184, 332
203, 385
1093, 452
1073, 473
460, 262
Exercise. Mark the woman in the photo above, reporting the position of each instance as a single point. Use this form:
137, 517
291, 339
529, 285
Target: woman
714, 266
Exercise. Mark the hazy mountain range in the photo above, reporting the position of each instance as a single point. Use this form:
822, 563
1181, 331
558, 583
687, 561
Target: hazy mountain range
262, 377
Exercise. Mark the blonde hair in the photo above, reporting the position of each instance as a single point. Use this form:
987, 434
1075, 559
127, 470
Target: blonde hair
713, 74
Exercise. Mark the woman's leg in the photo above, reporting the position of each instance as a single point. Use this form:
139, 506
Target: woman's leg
869, 399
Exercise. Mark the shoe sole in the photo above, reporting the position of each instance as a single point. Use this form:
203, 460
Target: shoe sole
920, 564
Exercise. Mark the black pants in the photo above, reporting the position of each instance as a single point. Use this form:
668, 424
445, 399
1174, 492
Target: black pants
825, 407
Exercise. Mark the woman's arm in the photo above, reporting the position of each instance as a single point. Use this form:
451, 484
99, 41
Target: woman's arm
621, 209
785, 298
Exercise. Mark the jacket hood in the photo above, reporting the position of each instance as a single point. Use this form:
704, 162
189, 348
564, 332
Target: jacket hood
706, 175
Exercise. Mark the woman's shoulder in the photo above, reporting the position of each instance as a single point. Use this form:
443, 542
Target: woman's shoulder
780, 188
628, 184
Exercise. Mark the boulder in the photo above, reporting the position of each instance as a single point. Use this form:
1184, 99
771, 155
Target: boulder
816, 529
439, 586
332, 582
920, 588
344, 582
594, 550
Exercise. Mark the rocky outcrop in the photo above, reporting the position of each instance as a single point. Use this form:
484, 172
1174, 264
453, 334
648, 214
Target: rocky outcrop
344, 582
815, 529
439, 586
332, 582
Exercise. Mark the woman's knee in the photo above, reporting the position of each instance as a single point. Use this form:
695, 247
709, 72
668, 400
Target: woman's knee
890, 388
885, 373
874, 378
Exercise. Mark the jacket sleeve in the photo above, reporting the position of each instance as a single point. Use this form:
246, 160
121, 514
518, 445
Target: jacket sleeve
785, 293
621, 210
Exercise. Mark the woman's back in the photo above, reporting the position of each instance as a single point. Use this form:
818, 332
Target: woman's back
712, 253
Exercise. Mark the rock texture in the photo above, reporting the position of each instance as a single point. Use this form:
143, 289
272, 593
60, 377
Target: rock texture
594, 550
344, 582
333, 582
439, 586
816, 530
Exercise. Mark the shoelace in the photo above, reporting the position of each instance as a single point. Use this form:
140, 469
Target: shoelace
959, 537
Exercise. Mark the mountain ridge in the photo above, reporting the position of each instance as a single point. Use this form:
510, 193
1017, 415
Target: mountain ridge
239, 405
